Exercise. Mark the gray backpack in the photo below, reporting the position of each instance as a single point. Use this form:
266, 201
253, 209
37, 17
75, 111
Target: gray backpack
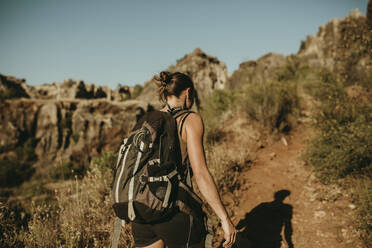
149, 181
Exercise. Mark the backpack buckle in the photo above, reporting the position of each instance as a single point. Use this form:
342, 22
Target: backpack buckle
143, 179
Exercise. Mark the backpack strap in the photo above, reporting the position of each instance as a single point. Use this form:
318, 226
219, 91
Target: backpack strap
183, 121
180, 112
117, 228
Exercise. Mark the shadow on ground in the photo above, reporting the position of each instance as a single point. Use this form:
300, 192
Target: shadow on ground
262, 226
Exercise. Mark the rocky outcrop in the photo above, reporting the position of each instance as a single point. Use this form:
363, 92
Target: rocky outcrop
66, 130
207, 73
343, 47
69, 90
257, 71
11, 87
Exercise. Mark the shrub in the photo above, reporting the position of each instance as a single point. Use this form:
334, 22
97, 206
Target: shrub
218, 107
34, 189
290, 70
271, 104
13, 173
26, 151
342, 150
344, 143
137, 91
226, 163
67, 170
83, 215
43, 228
12, 221
342, 147
363, 197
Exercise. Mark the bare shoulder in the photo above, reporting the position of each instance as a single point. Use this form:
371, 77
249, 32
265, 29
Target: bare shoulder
195, 122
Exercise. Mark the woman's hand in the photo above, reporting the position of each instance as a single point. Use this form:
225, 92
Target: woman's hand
229, 233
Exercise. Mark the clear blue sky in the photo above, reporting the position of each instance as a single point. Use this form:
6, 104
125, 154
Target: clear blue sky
127, 42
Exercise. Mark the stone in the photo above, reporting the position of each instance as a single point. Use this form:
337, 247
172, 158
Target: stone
352, 206
319, 214
272, 155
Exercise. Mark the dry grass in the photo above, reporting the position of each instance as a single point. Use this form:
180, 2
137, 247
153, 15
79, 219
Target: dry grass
82, 217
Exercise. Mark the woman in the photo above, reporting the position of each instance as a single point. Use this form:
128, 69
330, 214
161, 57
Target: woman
177, 91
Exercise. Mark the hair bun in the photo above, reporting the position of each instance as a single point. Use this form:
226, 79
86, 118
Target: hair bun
164, 77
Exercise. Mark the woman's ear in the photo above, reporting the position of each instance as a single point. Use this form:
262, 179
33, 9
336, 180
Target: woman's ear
188, 92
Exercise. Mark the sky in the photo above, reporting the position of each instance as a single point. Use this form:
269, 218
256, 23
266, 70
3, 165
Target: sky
127, 42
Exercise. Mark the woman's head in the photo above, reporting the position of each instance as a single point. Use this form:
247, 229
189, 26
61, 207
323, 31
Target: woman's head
177, 85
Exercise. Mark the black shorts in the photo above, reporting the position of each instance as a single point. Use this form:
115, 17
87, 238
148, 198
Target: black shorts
175, 232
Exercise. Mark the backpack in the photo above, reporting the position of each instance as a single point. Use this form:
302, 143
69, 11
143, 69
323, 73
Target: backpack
149, 181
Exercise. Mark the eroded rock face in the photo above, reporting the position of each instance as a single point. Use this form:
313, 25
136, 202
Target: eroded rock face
66, 130
48, 129
207, 73
257, 71
320, 49
341, 46
11, 87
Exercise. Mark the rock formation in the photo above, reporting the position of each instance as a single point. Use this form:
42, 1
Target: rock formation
11, 87
66, 130
75, 121
69, 89
341, 46
257, 71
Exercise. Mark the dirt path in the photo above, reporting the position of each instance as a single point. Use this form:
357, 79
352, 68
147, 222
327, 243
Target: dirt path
322, 215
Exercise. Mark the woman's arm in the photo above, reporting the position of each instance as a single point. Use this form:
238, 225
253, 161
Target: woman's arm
194, 129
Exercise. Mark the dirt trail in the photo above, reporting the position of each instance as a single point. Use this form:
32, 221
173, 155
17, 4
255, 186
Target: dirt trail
323, 216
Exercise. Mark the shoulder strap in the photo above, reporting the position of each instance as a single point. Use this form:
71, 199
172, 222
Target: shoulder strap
180, 113
183, 121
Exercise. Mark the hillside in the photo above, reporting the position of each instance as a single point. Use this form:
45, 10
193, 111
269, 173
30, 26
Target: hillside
297, 125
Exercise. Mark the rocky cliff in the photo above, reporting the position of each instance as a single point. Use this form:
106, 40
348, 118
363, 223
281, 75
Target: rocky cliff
69, 89
73, 121
257, 71
342, 46
65, 131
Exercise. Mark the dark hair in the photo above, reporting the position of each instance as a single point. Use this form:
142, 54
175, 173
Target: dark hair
172, 84
281, 194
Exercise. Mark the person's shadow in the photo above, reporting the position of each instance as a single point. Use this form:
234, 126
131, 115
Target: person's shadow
262, 226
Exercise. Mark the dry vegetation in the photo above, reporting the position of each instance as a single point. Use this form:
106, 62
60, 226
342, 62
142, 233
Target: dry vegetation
78, 212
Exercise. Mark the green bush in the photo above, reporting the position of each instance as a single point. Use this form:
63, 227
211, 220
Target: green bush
342, 150
342, 147
215, 110
344, 143
272, 104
